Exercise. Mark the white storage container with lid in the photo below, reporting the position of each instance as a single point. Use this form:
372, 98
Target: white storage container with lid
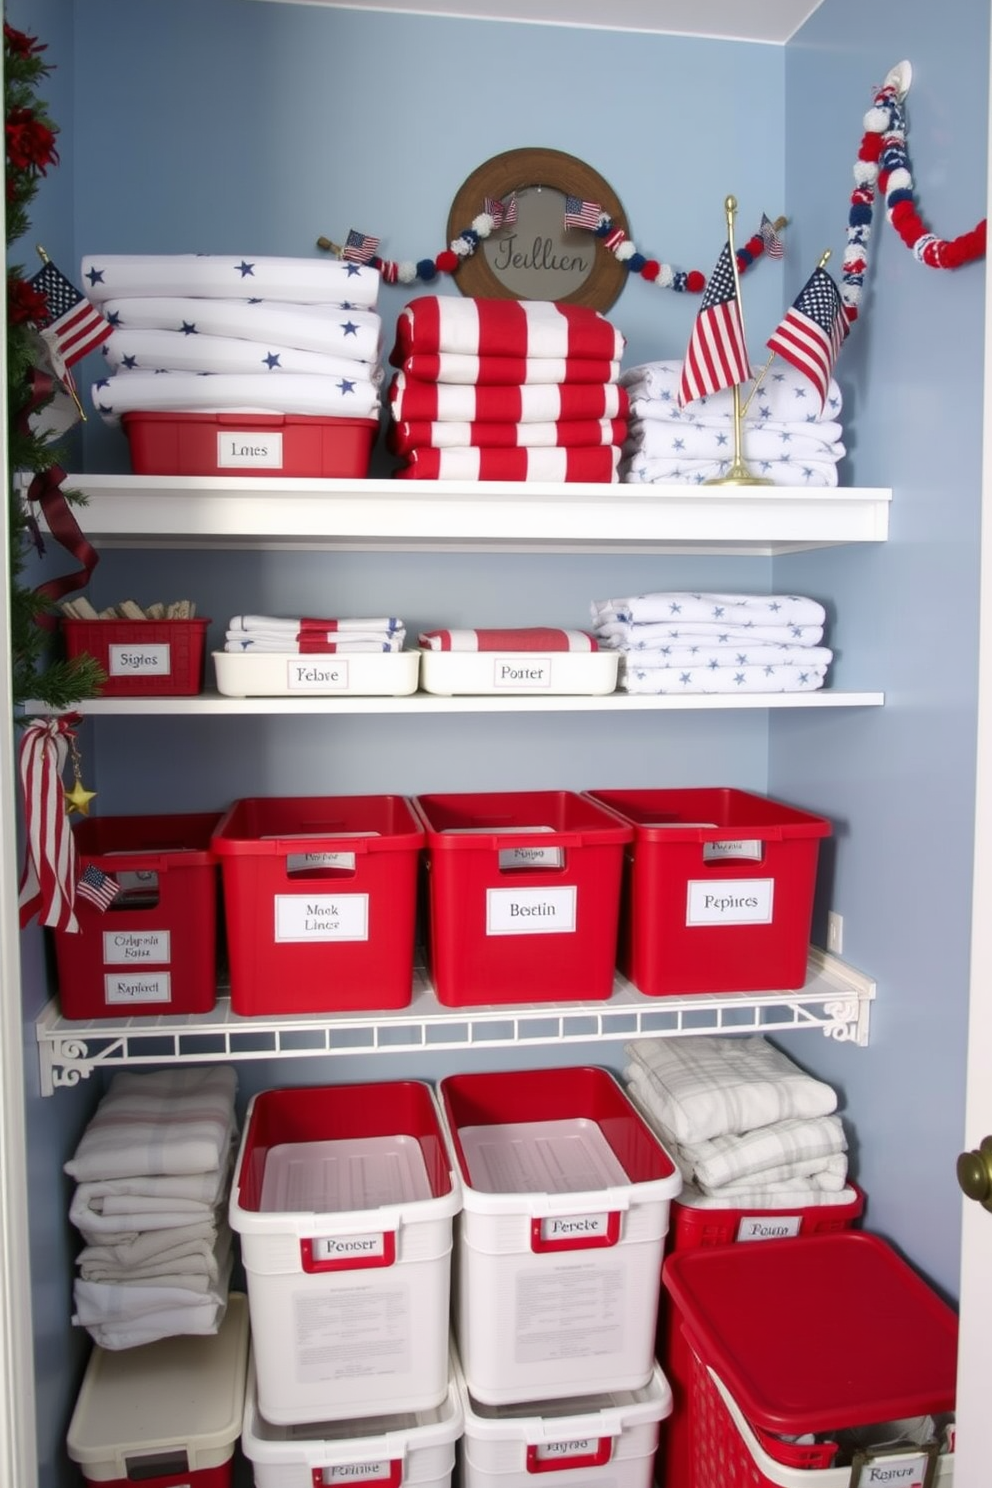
415, 1449
164, 1412
344, 1200
566, 1194
598, 1441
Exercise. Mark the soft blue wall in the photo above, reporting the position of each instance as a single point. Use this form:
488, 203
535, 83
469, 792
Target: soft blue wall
899, 782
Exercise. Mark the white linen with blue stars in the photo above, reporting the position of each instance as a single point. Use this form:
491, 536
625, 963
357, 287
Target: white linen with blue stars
170, 351
334, 329
229, 276
203, 392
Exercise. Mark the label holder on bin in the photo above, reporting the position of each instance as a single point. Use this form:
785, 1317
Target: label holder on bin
313, 1262
598, 1456
605, 1234
921, 1456
351, 1472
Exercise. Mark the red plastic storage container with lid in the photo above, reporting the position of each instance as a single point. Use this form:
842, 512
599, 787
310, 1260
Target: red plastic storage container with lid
523, 896
320, 897
718, 890
253, 444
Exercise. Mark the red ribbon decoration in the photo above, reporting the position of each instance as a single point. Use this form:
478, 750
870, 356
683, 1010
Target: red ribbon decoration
48, 879
46, 490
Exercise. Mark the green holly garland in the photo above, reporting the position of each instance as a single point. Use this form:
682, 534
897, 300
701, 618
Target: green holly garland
30, 149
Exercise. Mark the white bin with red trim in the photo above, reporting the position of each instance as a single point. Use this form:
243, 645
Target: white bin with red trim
344, 1200
590, 1441
566, 1199
411, 1450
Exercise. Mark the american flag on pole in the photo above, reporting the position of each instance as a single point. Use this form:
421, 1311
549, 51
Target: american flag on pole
98, 887
74, 327
503, 213
580, 213
813, 331
360, 248
774, 246
717, 356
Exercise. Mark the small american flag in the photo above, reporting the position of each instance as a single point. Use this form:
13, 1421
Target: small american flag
98, 887
580, 213
813, 331
774, 246
717, 355
360, 248
74, 327
503, 213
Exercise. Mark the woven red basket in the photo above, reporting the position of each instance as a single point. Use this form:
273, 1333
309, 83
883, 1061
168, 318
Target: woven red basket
142, 658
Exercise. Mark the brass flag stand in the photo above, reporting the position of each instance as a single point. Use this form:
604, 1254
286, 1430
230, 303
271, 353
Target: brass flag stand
740, 473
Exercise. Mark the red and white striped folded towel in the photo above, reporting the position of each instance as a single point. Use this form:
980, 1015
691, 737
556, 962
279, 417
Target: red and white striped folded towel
520, 638
490, 327
482, 404
462, 368
597, 466
570, 433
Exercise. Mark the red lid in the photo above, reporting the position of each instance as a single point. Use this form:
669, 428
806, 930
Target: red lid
817, 1334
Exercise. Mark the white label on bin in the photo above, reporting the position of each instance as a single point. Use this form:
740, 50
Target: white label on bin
348, 1247
895, 1472
140, 659
730, 901
520, 675
714, 851
253, 448
153, 987
569, 1311
359, 1472
125, 947
530, 911
531, 857
314, 675
321, 917
351, 1333
581, 1446
313, 862
574, 1226
768, 1227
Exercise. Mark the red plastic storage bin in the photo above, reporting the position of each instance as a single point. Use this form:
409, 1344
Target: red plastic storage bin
154, 950
248, 443
142, 658
692, 1228
836, 1333
718, 890
320, 897
523, 896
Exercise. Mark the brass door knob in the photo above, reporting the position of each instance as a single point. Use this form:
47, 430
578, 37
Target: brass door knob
975, 1174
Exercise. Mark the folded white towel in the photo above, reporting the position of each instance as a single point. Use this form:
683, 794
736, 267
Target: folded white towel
279, 645
109, 1304
665, 440
153, 1247
335, 330
179, 1120
97, 1228
784, 394
697, 654
156, 1190
705, 1086
298, 393
135, 350
642, 469
737, 611
799, 1147
229, 276
292, 625
626, 636
828, 1175
771, 677
202, 1267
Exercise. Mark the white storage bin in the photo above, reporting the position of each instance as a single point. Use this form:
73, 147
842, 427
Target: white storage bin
581, 673
411, 1450
566, 1199
164, 1412
599, 1441
344, 673
344, 1200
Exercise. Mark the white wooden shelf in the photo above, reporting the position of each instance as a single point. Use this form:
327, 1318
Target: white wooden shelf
835, 998
237, 512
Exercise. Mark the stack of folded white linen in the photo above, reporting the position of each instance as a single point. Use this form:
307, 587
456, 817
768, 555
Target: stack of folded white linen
306, 635
785, 437
746, 1126
516, 390
215, 333
153, 1171
678, 642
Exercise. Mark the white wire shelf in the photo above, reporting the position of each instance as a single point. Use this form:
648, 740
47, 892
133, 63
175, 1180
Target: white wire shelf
835, 999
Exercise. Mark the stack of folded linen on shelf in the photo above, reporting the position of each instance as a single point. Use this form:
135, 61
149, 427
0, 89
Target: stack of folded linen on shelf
278, 635
785, 437
153, 1171
198, 333
723, 643
747, 1127
515, 638
506, 390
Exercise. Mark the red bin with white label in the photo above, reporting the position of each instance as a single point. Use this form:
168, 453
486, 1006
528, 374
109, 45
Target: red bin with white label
344, 1199
566, 1199
718, 890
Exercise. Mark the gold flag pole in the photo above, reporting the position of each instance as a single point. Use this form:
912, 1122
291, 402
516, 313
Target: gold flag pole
739, 473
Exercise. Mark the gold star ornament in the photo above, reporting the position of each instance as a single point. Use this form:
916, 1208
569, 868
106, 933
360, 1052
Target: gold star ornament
78, 799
